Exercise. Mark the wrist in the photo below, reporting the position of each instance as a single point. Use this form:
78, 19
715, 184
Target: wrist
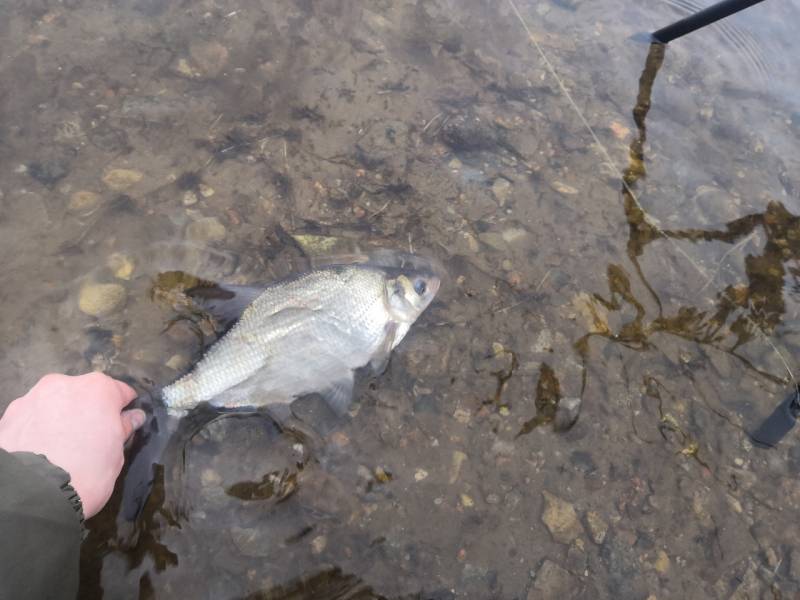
57, 477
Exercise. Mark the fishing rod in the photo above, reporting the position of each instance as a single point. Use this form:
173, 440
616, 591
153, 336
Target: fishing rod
700, 19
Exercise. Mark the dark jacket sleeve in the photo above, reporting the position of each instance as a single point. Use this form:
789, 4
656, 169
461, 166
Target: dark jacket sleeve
40, 529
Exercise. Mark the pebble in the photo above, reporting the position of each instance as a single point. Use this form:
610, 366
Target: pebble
83, 202
661, 563
101, 299
567, 413
120, 179
458, 459
177, 362
182, 67
318, 544
560, 518
514, 234
619, 130
455, 164
563, 188
208, 229
420, 474
210, 478
317, 244
206, 191
189, 198
462, 416
597, 527
501, 188
121, 265
467, 501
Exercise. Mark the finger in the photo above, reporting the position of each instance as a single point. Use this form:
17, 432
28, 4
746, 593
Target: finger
131, 421
126, 392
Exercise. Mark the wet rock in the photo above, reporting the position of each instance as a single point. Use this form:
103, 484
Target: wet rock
120, 179
501, 188
83, 203
552, 581
560, 518
101, 299
597, 527
208, 229
121, 266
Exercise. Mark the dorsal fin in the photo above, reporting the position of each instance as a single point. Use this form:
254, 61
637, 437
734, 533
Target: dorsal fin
225, 302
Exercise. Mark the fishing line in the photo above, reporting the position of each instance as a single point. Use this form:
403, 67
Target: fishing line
606, 155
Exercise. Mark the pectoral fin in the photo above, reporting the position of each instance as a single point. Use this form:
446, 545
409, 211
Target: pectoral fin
340, 394
380, 359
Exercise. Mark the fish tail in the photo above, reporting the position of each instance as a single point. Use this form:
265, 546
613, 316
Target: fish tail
147, 450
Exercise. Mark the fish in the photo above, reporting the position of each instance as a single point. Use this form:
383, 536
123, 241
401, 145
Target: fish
306, 334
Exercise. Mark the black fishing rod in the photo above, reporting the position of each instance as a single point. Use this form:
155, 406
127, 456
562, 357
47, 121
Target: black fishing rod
700, 19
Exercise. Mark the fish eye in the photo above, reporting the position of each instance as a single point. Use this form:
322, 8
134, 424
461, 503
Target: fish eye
420, 286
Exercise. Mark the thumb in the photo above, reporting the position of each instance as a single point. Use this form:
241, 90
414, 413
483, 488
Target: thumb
131, 421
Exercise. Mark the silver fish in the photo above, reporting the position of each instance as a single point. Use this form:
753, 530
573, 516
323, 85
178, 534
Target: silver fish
307, 335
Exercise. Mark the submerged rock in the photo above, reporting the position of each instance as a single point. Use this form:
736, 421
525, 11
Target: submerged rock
101, 299
121, 265
208, 229
552, 581
120, 179
83, 202
598, 528
560, 518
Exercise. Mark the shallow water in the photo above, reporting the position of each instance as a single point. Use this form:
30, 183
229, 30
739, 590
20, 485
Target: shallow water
224, 139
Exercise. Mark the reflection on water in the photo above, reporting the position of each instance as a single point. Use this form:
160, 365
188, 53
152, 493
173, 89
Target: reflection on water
659, 296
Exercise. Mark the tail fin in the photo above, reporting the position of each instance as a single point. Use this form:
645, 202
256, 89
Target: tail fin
146, 451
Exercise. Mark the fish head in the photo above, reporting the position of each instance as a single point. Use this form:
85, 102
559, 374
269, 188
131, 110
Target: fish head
409, 292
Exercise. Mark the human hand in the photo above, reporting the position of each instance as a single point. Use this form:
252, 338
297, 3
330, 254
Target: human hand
79, 425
